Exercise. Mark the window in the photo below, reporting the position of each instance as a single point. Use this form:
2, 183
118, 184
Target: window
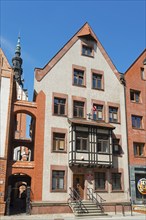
97, 112
135, 96
58, 180
138, 149
81, 141
78, 109
100, 181
116, 181
116, 147
58, 142
113, 114
143, 73
136, 121
103, 145
86, 50
79, 77
97, 81
59, 106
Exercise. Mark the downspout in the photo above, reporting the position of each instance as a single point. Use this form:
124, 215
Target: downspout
123, 82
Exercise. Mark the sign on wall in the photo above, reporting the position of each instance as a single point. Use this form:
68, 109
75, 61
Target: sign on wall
141, 186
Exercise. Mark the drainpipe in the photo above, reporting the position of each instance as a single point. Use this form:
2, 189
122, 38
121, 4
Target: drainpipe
123, 82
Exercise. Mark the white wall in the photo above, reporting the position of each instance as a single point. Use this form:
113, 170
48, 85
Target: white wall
4, 102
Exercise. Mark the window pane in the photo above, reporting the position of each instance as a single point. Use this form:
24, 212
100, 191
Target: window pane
61, 145
116, 181
78, 77
58, 141
136, 121
55, 109
84, 143
100, 180
62, 109
54, 183
137, 97
58, 179
61, 183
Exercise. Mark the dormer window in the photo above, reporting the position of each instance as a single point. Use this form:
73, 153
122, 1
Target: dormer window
87, 50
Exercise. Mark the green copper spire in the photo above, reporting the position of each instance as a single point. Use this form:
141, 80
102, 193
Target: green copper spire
18, 47
17, 63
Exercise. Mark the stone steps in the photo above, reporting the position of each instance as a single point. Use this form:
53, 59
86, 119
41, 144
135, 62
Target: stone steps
88, 209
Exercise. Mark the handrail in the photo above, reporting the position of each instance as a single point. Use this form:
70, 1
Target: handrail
94, 199
75, 197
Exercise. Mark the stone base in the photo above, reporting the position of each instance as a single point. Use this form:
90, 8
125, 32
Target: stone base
2, 208
49, 208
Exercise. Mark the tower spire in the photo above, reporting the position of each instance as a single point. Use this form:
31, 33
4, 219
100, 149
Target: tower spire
18, 47
17, 63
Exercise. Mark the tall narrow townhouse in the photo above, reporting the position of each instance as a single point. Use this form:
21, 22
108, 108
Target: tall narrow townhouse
135, 78
6, 82
85, 142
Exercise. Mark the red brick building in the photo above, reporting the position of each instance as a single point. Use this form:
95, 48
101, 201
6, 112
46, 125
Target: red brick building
135, 78
20, 176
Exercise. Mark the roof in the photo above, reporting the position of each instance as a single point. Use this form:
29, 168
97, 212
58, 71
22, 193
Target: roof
85, 30
91, 122
144, 51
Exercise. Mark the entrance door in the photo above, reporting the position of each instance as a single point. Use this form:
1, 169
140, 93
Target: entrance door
78, 184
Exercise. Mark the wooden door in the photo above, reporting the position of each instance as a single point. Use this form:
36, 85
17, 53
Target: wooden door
78, 184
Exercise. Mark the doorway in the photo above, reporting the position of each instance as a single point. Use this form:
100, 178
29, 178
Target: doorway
78, 184
18, 194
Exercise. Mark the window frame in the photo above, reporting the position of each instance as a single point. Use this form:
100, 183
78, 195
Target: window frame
58, 168
80, 69
136, 149
116, 106
116, 152
99, 73
87, 47
60, 96
95, 102
135, 92
58, 131
143, 73
80, 135
79, 99
115, 180
99, 180
102, 141
135, 121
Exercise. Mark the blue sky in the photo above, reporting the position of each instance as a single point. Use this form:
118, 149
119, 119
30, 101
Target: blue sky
45, 26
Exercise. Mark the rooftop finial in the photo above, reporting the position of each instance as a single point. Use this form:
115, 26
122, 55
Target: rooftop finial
18, 47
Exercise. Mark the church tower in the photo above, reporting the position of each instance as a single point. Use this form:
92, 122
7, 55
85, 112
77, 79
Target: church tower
17, 63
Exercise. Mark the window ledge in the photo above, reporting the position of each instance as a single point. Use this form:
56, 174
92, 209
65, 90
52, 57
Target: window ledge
139, 156
82, 86
117, 191
97, 89
136, 102
58, 151
58, 191
140, 129
86, 55
60, 115
115, 122
101, 191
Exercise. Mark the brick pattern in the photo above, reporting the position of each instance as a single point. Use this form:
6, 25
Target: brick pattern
134, 81
2, 185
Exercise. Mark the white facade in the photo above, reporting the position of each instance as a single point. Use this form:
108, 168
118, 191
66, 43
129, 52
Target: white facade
60, 80
5, 101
